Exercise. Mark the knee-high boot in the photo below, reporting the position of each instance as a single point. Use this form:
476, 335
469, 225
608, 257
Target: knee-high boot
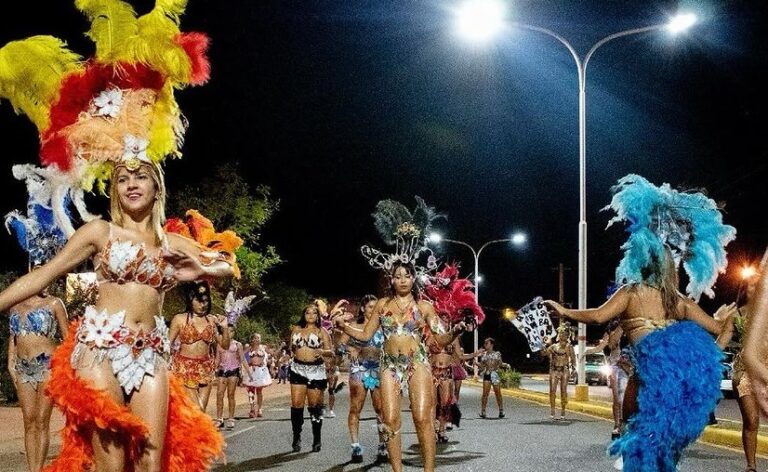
316, 416
297, 420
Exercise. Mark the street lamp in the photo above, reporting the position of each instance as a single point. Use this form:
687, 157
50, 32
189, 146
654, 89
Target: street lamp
675, 25
518, 239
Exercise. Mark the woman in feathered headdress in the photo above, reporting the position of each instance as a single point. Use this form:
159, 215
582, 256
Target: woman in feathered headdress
454, 302
677, 373
113, 119
409, 325
35, 324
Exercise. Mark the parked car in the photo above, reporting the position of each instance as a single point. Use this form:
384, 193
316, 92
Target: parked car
596, 370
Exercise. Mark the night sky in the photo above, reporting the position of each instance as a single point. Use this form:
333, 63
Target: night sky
338, 104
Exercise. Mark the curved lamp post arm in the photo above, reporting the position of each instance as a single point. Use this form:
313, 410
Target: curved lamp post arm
561, 39
613, 36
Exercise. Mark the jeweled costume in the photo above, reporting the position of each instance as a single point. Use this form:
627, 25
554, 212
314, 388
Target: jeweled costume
677, 362
116, 107
454, 302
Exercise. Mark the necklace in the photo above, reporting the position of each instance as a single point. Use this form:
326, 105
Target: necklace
400, 307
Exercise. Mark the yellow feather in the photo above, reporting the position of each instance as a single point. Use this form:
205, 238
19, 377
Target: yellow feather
167, 128
31, 71
113, 27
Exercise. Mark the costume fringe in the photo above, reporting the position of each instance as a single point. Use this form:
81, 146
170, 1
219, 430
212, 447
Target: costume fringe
191, 441
679, 371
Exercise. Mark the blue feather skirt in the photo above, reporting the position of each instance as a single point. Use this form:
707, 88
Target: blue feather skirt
679, 371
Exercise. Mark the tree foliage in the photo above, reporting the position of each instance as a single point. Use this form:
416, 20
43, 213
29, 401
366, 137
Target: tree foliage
229, 201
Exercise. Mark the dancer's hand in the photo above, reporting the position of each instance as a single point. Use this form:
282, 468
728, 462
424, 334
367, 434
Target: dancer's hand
726, 313
555, 307
338, 309
186, 267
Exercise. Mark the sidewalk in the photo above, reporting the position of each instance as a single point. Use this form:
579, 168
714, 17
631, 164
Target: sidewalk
12, 430
715, 435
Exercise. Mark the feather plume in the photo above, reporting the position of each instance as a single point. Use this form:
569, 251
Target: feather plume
689, 224
31, 72
113, 27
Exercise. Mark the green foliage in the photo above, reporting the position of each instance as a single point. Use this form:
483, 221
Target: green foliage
247, 327
7, 390
281, 309
510, 378
227, 199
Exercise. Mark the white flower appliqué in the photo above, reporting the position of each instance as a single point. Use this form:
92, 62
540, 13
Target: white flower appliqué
108, 103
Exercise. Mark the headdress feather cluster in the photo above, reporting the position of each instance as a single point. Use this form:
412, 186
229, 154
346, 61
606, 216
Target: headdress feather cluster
117, 107
452, 296
405, 230
688, 224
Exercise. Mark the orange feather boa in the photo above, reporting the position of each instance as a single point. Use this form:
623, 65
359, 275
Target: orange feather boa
191, 441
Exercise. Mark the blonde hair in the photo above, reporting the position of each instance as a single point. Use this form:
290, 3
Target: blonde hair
157, 218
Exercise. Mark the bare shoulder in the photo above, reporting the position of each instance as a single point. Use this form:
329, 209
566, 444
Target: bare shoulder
426, 306
94, 231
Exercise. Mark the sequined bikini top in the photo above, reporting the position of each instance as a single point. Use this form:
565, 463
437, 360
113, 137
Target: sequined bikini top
632, 326
123, 261
189, 334
390, 325
311, 341
39, 321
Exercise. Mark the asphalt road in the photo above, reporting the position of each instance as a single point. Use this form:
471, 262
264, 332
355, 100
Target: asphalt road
526, 441
727, 410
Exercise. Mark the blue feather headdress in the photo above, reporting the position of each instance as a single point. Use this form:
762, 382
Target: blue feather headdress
38, 232
406, 231
689, 224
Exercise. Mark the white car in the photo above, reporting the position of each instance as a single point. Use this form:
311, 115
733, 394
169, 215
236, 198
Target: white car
726, 384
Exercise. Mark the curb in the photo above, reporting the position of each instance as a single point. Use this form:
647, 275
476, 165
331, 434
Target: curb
711, 435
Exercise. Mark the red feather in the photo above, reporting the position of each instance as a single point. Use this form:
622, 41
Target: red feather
75, 95
196, 47
452, 296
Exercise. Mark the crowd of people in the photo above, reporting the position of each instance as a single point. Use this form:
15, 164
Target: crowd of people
134, 390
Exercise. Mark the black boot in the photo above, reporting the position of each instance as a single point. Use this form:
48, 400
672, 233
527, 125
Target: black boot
297, 420
316, 416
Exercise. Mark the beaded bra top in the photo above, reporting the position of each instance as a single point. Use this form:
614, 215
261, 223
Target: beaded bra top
390, 325
123, 261
39, 321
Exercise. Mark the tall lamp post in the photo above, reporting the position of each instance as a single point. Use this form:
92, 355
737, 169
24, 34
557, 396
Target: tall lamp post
517, 239
480, 20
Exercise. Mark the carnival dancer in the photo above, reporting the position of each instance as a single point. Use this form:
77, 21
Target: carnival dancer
562, 361
112, 120
257, 359
199, 334
454, 302
677, 372
310, 344
364, 372
35, 323
410, 327
228, 364
742, 383
490, 363
621, 366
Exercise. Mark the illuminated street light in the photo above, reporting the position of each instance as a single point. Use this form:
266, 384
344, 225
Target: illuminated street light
747, 272
676, 25
517, 239
480, 20
681, 22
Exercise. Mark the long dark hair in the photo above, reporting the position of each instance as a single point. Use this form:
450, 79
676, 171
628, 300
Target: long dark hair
303, 320
361, 311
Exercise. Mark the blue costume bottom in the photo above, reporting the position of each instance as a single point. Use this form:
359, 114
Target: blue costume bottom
679, 371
